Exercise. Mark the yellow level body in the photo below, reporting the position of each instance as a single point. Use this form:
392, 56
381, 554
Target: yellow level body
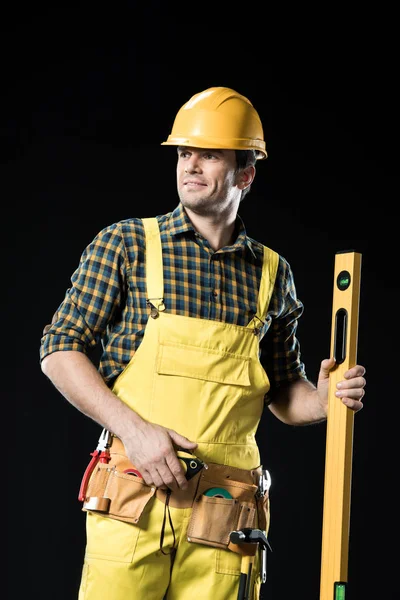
340, 423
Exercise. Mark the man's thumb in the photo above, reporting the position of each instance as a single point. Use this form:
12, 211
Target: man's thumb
326, 366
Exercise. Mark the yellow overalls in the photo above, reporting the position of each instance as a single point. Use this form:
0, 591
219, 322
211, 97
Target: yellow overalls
202, 378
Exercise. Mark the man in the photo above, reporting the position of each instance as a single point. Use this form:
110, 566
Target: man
198, 327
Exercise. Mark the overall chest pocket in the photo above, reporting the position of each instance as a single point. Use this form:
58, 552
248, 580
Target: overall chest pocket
203, 363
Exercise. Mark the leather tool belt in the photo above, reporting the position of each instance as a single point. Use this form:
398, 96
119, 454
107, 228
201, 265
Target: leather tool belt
223, 499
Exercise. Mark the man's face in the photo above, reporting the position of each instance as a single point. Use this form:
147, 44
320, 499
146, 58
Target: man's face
207, 180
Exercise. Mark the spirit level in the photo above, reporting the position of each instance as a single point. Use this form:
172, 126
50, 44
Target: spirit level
339, 432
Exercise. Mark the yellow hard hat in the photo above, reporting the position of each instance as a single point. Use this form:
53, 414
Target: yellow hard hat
218, 117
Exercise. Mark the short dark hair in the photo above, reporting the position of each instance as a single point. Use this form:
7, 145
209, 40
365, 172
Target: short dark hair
245, 158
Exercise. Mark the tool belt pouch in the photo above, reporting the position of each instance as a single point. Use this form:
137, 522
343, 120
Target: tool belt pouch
263, 512
115, 494
214, 516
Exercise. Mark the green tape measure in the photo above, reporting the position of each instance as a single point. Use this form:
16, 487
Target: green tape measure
217, 492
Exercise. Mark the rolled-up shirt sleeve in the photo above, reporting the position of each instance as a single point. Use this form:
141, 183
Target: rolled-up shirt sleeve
95, 296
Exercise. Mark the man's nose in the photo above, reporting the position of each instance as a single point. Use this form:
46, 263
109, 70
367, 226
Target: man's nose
192, 165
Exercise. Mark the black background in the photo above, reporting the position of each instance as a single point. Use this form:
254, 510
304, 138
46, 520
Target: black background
89, 92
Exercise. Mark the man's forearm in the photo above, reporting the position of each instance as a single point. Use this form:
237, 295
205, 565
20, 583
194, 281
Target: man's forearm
77, 379
298, 403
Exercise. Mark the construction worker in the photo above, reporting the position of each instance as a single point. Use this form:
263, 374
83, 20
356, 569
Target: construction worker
198, 324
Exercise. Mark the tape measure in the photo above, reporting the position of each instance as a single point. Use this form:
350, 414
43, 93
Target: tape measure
217, 492
191, 464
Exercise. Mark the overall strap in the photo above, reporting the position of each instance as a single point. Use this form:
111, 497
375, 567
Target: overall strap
268, 276
154, 264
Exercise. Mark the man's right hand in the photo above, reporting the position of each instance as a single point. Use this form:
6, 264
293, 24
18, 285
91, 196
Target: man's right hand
152, 450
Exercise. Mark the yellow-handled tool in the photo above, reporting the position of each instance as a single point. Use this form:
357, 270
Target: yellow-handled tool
339, 433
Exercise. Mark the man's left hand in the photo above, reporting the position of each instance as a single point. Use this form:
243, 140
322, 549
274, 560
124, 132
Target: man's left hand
350, 390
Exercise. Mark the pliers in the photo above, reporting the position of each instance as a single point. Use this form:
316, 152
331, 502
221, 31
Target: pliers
101, 454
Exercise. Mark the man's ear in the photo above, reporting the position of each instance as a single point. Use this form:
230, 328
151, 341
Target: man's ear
246, 177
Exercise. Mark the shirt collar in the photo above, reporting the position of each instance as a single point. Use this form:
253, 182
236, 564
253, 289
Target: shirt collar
242, 242
179, 223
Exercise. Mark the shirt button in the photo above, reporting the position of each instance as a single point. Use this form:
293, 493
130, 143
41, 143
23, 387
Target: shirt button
214, 293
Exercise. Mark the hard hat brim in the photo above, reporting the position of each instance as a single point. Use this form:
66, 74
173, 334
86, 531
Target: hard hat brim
218, 144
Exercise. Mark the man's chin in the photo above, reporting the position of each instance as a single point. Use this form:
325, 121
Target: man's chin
193, 201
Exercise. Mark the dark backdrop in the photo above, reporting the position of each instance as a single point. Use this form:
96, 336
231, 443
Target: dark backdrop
89, 92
